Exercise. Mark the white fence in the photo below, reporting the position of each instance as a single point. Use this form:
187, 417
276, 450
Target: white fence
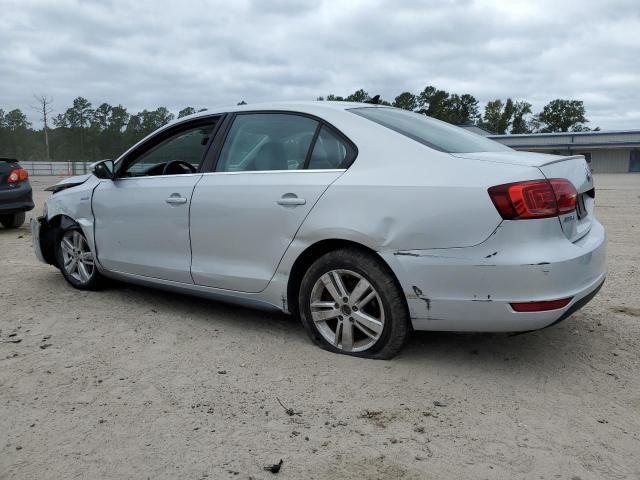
59, 169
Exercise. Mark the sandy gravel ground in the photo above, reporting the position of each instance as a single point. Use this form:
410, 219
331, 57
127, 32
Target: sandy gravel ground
135, 383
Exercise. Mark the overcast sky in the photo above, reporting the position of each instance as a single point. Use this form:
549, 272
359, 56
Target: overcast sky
148, 53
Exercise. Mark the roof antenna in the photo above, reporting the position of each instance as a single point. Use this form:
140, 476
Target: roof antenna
375, 100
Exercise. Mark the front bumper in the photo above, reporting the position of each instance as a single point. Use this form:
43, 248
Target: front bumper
36, 224
470, 289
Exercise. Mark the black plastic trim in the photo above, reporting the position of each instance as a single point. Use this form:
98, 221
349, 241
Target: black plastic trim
312, 146
578, 305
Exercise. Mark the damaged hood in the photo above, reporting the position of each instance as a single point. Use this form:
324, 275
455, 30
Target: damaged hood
527, 159
69, 182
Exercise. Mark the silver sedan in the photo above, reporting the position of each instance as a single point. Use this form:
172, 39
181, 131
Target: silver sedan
365, 221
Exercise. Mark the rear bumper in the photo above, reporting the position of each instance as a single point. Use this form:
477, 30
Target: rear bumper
16, 199
470, 289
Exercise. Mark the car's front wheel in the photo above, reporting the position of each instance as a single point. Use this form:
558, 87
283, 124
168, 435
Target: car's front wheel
76, 260
350, 303
12, 220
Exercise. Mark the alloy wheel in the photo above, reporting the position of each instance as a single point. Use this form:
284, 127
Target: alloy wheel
77, 257
347, 310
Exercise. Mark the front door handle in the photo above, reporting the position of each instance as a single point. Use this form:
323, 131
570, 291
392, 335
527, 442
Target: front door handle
291, 199
176, 199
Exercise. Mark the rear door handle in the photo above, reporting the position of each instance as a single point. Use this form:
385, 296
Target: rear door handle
176, 199
291, 199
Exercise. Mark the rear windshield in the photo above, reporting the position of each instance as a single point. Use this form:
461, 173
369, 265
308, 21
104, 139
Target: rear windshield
429, 131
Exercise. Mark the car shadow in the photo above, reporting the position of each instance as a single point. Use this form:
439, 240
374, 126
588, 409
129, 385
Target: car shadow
24, 229
557, 344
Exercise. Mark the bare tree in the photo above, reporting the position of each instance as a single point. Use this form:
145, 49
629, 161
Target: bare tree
44, 109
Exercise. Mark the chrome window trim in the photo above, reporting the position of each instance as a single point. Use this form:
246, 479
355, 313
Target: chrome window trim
317, 170
320, 170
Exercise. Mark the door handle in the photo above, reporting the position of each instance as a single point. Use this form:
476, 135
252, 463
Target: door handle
176, 199
291, 199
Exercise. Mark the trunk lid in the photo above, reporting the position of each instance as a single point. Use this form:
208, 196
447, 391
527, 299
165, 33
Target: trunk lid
576, 224
574, 168
513, 157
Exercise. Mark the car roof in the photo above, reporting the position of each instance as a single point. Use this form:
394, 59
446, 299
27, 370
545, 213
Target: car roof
311, 107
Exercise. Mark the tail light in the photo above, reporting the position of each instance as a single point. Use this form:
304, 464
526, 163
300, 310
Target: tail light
17, 175
534, 198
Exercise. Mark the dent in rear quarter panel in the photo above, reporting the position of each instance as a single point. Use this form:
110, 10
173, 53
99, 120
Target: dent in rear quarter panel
424, 199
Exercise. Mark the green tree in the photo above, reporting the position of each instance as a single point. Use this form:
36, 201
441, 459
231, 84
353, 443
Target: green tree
186, 111
359, 96
498, 116
133, 131
507, 117
433, 102
452, 108
80, 114
520, 124
563, 116
100, 120
492, 115
60, 121
78, 118
16, 120
17, 129
406, 101
118, 119
462, 109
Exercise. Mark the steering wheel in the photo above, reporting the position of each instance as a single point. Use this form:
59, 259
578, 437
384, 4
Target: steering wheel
186, 166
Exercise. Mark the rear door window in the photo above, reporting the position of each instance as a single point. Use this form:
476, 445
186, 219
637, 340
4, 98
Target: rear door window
267, 141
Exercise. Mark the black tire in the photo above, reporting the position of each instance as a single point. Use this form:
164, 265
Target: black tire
396, 326
95, 280
12, 220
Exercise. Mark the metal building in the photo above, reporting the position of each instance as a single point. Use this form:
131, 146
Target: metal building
606, 151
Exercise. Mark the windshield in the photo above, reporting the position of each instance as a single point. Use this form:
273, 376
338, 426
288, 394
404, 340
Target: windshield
429, 131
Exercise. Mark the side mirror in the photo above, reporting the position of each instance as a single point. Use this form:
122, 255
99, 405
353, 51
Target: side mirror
104, 169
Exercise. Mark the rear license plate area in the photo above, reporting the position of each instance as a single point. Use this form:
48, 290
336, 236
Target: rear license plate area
581, 210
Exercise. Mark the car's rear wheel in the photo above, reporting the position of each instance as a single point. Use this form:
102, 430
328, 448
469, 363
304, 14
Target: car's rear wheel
12, 220
350, 303
76, 260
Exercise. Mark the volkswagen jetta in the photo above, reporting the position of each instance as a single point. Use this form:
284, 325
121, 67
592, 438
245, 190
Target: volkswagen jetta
365, 221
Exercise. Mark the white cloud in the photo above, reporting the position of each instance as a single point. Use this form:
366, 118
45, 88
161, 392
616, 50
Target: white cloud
203, 53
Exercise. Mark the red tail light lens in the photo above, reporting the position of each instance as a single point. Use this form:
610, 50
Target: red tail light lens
566, 195
17, 175
541, 306
534, 198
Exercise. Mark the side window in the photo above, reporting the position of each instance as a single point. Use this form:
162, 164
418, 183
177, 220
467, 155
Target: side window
330, 152
266, 141
180, 153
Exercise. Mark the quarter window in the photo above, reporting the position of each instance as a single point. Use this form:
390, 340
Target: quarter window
267, 141
330, 152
